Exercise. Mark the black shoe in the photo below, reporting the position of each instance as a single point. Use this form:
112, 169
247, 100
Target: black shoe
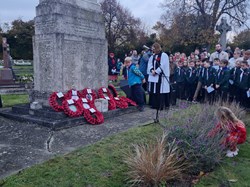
140, 108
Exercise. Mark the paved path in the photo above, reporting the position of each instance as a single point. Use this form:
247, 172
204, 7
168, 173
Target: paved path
23, 145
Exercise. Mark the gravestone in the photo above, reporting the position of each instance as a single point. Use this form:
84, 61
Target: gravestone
6, 76
223, 28
70, 49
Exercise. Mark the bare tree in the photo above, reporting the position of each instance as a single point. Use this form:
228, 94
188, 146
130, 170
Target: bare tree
192, 22
121, 27
210, 11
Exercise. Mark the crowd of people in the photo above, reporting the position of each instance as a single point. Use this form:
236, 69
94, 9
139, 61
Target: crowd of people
197, 77
201, 77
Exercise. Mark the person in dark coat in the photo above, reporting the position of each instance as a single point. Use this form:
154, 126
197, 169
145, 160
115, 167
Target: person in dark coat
242, 82
208, 81
191, 80
112, 73
222, 80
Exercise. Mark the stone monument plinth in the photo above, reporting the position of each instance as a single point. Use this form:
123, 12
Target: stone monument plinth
70, 48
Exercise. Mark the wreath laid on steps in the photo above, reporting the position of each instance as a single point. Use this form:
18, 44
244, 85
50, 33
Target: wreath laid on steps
73, 94
113, 90
56, 101
90, 113
106, 94
89, 94
129, 101
119, 102
72, 108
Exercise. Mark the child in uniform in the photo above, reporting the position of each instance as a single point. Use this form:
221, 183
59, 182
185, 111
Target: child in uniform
179, 79
242, 82
191, 80
232, 86
222, 80
135, 80
208, 81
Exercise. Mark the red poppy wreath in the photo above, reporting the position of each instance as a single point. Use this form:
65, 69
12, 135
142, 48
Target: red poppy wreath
55, 101
113, 90
105, 94
73, 94
129, 101
119, 102
90, 113
72, 108
89, 94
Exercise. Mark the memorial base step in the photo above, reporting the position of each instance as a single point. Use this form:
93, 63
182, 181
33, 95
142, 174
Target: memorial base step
51, 119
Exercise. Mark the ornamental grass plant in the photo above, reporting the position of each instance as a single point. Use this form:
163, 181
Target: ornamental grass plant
155, 164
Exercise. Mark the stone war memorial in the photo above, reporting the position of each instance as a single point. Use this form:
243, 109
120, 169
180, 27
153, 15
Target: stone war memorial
70, 49
70, 57
70, 53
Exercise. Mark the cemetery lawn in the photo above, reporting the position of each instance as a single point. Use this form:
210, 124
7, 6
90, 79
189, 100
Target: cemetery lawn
13, 99
101, 164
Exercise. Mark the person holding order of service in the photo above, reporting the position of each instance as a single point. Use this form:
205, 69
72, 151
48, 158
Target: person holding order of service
159, 72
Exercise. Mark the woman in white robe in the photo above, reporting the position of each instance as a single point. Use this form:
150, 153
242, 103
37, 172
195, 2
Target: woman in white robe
159, 72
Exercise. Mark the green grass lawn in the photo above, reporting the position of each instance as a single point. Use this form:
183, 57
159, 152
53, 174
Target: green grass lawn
99, 165
13, 99
22, 67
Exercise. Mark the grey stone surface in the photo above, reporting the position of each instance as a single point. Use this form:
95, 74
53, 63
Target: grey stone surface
23, 145
223, 28
35, 105
102, 105
70, 49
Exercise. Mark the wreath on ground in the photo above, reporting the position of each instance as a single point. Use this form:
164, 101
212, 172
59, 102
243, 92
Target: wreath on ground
56, 101
72, 108
73, 94
113, 90
89, 94
106, 94
90, 113
119, 103
129, 101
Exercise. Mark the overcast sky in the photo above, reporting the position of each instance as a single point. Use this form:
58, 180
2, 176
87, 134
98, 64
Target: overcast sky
148, 11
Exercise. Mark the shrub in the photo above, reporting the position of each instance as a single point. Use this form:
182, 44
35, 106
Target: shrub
155, 164
190, 128
191, 134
